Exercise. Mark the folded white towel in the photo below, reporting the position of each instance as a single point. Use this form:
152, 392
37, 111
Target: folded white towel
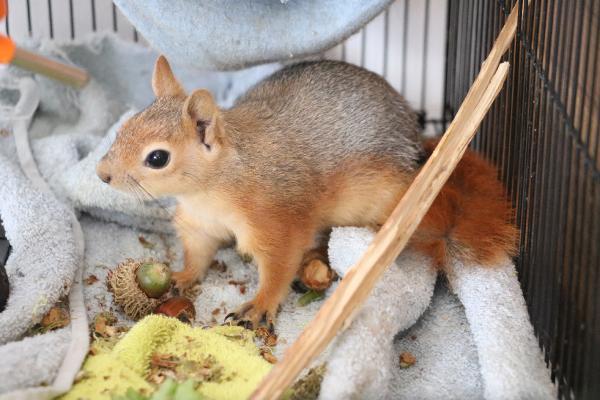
363, 357
446, 364
32, 361
44, 258
511, 363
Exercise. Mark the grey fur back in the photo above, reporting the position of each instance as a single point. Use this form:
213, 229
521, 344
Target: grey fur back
313, 115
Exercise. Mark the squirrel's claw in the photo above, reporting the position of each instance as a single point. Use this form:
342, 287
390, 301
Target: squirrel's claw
245, 324
251, 316
231, 315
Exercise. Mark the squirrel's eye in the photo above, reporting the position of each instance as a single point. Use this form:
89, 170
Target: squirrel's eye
157, 159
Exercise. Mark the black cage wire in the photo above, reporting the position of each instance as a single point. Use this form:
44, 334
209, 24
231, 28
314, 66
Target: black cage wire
543, 134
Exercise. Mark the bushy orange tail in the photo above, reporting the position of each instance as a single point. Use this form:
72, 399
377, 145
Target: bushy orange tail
471, 219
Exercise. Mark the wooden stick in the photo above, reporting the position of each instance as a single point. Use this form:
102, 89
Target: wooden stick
64, 73
336, 314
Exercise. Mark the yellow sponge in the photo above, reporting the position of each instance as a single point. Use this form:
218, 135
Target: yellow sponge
230, 349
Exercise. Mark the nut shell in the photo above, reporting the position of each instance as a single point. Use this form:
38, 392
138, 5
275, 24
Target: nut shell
178, 307
123, 284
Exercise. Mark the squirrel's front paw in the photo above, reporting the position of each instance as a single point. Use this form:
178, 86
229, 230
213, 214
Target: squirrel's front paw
253, 314
184, 279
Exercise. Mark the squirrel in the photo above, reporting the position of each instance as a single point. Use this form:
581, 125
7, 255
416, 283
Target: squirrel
315, 145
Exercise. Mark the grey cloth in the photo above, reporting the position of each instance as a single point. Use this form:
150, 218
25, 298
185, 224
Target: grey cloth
32, 361
41, 269
51, 354
44, 258
231, 34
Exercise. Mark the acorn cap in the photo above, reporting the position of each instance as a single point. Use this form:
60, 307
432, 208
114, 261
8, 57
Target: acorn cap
123, 284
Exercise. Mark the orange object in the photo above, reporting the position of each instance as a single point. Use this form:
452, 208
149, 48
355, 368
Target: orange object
7, 49
7, 46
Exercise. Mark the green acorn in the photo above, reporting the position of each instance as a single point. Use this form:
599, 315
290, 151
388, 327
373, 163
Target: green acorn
139, 286
154, 279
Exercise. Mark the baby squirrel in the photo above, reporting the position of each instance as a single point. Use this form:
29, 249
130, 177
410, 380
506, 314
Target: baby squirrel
315, 145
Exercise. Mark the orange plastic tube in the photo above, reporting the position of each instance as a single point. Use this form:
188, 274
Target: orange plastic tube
7, 49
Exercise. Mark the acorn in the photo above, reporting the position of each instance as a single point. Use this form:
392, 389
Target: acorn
154, 279
139, 293
316, 275
177, 307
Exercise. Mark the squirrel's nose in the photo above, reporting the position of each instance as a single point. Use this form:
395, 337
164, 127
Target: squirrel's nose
103, 171
104, 177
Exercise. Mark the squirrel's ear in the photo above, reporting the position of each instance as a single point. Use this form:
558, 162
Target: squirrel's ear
163, 80
201, 111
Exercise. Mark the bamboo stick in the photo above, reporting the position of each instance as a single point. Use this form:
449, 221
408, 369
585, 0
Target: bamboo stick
64, 73
337, 312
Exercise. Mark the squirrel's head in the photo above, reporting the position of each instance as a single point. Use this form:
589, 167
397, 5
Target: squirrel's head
172, 147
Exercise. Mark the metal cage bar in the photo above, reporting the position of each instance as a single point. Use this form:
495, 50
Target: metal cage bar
543, 133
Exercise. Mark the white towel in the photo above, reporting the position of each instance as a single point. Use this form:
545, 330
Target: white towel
363, 357
511, 362
44, 259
